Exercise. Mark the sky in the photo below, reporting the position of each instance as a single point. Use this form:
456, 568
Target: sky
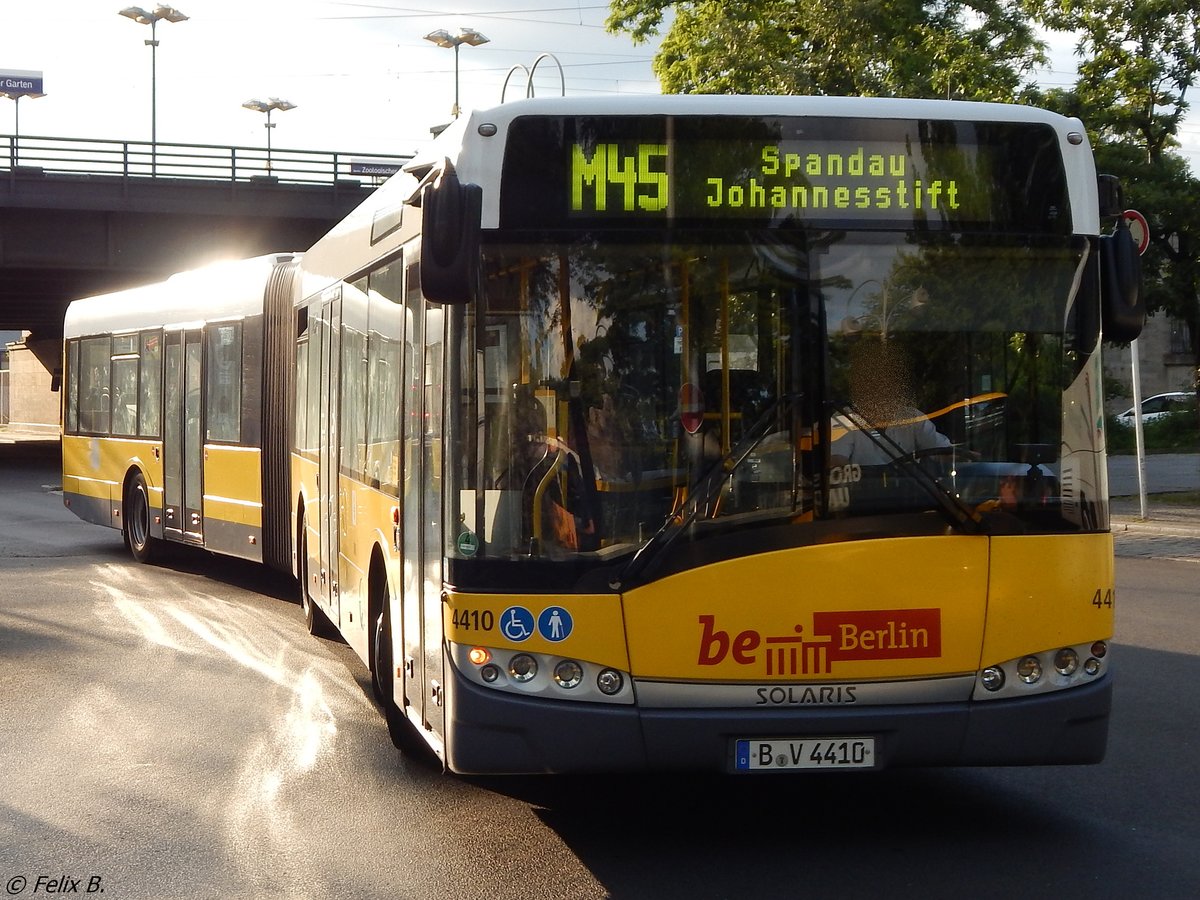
360, 73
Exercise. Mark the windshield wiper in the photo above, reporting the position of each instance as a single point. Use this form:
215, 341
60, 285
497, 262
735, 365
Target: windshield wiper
956, 512
707, 489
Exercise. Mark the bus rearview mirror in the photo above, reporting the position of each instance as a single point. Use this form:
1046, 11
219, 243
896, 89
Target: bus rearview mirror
450, 224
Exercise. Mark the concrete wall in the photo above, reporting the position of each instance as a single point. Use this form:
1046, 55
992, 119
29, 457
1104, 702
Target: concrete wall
32, 405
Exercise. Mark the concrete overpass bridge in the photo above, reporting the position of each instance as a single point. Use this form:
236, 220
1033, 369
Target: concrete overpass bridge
80, 217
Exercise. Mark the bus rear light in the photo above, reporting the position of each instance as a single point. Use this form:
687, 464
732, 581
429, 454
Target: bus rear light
1099, 649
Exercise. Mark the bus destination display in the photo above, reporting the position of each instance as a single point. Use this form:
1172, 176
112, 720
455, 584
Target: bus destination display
634, 172
852, 179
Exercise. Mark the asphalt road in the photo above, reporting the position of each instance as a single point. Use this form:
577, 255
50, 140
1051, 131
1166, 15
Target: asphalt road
1164, 473
174, 732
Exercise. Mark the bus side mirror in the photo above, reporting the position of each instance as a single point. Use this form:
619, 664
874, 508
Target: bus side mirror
451, 215
1122, 307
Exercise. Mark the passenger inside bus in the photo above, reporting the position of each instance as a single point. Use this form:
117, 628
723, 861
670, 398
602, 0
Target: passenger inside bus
883, 423
549, 475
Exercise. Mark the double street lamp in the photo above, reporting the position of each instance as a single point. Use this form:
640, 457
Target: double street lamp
443, 38
269, 106
143, 17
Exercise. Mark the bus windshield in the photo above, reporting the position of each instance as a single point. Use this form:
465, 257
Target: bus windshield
796, 380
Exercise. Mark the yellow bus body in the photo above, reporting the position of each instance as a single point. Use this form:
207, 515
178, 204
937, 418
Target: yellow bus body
897, 608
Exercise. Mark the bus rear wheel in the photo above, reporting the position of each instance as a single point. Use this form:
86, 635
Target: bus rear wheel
136, 531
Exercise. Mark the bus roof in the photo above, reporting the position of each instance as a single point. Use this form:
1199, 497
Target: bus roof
224, 290
471, 144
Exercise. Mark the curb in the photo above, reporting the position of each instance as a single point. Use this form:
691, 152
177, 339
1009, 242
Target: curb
1149, 526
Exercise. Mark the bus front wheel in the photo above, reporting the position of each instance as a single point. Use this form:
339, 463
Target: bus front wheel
136, 531
402, 732
314, 619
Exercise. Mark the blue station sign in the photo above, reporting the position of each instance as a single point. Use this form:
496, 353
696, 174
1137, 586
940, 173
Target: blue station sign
20, 83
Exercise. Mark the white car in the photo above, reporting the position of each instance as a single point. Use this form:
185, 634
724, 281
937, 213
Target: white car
1160, 405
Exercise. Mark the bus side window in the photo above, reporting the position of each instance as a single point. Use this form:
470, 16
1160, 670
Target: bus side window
124, 384
95, 359
150, 384
72, 418
224, 407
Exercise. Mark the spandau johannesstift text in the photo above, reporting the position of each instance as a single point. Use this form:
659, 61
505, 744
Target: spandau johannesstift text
852, 179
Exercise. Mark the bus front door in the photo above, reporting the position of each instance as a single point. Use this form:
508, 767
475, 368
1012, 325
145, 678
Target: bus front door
421, 504
329, 475
183, 438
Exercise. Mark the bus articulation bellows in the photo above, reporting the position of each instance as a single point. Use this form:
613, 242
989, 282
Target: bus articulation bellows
715, 433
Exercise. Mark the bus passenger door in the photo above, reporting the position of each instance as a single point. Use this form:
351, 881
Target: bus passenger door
328, 475
183, 444
421, 504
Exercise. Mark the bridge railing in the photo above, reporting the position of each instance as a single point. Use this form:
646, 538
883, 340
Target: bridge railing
141, 159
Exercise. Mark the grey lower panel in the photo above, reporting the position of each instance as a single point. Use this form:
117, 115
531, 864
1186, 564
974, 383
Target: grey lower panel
91, 509
676, 695
494, 732
233, 539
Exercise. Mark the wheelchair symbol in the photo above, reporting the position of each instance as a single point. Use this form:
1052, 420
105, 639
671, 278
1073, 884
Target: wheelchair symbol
516, 623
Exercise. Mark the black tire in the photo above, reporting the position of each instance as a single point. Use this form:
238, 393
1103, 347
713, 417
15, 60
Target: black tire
141, 543
314, 619
402, 732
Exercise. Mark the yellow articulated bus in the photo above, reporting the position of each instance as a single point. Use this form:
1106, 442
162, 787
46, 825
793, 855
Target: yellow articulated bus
744, 434
175, 410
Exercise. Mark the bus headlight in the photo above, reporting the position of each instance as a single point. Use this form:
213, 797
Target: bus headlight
568, 674
522, 668
542, 675
610, 682
1066, 661
1041, 672
1029, 670
992, 678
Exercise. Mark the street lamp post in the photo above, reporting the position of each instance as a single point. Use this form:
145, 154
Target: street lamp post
142, 17
443, 38
269, 106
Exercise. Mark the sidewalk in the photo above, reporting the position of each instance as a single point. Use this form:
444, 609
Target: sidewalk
14, 435
1162, 516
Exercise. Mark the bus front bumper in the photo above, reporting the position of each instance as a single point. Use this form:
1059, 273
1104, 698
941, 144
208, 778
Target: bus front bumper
496, 732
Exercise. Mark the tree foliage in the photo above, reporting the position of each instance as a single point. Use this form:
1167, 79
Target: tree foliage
1138, 59
961, 49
